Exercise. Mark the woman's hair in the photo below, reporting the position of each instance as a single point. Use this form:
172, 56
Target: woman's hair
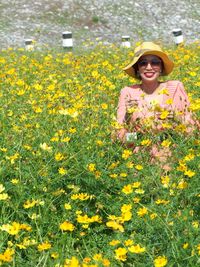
136, 69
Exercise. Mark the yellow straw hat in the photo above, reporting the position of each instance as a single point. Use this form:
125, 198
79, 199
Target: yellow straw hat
149, 48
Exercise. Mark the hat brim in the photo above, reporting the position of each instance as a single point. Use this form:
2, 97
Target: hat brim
168, 64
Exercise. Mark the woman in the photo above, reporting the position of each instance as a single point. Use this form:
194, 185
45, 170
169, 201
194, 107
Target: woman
150, 101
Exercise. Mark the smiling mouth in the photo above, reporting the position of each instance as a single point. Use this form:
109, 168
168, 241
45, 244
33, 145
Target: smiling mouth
149, 74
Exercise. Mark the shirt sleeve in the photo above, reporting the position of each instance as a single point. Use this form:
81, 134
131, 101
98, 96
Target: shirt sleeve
121, 108
181, 103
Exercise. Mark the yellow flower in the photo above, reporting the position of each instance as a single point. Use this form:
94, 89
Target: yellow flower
169, 101
123, 174
127, 189
166, 143
115, 225
126, 207
44, 246
137, 249
104, 106
7, 255
139, 167
3, 196
30, 203
12, 229
67, 226
136, 184
126, 154
54, 255
120, 254
142, 211
74, 262
128, 242
67, 206
59, 156
182, 184
185, 245
91, 167
114, 242
62, 171
195, 224
15, 181
153, 216
139, 191
189, 173
162, 201
45, 147
160, 261
165, 181
146, 142
164, 91
129, 165
164, 114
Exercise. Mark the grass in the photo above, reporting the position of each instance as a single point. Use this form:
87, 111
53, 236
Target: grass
69, 195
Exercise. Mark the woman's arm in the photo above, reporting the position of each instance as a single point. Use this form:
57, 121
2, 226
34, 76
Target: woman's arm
121, 114
181, 105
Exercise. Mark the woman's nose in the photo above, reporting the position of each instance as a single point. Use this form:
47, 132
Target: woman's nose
148, 66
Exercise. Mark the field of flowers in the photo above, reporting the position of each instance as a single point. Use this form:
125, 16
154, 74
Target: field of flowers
69, 196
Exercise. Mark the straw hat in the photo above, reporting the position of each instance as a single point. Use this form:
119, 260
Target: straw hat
149, 48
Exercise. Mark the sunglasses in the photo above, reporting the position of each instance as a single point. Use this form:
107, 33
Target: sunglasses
154, 62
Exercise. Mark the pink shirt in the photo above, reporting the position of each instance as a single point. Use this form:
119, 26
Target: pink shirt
170, 96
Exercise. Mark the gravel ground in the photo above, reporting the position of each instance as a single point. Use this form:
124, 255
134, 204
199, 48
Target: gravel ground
106, 20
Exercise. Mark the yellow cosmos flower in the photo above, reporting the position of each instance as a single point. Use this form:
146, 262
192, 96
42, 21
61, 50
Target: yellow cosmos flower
104, 106
136, 249
45, 147
166, 143
127, 189
182, 184
165, 181
169, 101
189, 173
44, 246
67, 226
139, 167
164, 114
67, 206
7, 256
128, 242
160, 261
91, 167
142, 211
146, 142
115, 226
59, 156
126, 154
4, 196
114, 242
120, 254
62, 171
73, 262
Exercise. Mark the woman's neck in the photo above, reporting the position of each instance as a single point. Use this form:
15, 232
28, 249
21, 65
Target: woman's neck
150, 87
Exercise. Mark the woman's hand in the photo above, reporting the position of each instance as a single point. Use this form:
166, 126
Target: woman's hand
121, 135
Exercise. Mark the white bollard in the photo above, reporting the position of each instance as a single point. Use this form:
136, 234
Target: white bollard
67, 40
126, 41
178, 36
29, 45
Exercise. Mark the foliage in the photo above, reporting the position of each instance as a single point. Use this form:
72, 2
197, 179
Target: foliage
69, 196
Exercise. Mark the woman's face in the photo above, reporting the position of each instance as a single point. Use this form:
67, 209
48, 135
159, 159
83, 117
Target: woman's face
149, 67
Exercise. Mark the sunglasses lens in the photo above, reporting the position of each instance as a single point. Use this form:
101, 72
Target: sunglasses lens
154, 62
143, 63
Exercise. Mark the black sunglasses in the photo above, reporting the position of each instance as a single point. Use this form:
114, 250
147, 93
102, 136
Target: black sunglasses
154, 62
